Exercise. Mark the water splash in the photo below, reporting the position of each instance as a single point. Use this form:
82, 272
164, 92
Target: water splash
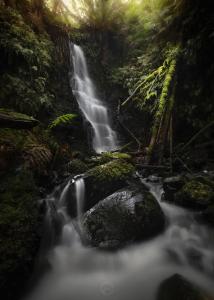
83, 273
93, 110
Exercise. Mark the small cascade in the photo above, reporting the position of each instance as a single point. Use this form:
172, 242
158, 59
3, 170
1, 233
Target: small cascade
80, 196
185, 247
92, 108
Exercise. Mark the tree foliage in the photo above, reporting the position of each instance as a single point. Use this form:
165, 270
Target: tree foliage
27, 60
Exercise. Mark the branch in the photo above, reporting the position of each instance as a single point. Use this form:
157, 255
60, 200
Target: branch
197, 134
135, 91
130, 133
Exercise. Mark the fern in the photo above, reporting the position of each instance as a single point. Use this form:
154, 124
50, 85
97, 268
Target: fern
37, 157
63, 120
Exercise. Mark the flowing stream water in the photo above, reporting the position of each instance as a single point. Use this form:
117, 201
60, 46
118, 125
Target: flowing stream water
79, 272
92, 108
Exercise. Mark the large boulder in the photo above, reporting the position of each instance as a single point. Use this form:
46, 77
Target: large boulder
179, 288
130, 214
196, 192
103, 180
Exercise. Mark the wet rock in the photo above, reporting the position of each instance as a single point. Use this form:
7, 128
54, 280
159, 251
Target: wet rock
171, 185
179, 288
105, 179
194, 192
154, 179
77, 166
207, 216
128, 215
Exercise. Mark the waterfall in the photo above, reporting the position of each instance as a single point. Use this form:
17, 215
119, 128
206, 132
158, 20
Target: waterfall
92, 108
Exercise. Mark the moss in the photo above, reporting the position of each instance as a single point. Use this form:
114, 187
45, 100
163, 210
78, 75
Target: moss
15, 115
109, 156
19, 231
77, 166
112, 171
197, 192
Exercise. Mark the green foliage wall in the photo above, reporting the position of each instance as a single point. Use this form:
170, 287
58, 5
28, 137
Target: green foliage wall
26, 60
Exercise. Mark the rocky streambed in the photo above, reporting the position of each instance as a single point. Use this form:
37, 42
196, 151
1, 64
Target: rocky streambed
139, 241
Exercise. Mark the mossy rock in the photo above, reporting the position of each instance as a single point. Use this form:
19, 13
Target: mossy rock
105, 179
19, 232
197, 193
77, 166
179, 288
109, 156
111, 171
124, 217
11, 119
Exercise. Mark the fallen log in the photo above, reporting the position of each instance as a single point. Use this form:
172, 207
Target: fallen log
11, 119
145, 166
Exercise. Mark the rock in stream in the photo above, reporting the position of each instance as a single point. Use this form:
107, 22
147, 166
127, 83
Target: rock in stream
130, 214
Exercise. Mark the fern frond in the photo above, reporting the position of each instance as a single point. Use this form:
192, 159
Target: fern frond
37, 157
63, 120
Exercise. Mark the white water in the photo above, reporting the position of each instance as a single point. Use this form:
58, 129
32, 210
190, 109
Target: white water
80, 196
93, 110
82, 273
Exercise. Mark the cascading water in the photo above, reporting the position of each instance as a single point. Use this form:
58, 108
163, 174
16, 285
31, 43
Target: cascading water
80, 196
93, 110
83, 273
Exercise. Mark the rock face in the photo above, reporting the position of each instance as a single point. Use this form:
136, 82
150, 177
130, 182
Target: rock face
195, 193
125, 216
178, 288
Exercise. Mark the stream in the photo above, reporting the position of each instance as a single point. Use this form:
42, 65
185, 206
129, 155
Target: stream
80, 272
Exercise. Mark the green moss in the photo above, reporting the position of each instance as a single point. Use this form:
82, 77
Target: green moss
12, 114
77, 166
109, 156
197, 192
19, 224
112, 171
